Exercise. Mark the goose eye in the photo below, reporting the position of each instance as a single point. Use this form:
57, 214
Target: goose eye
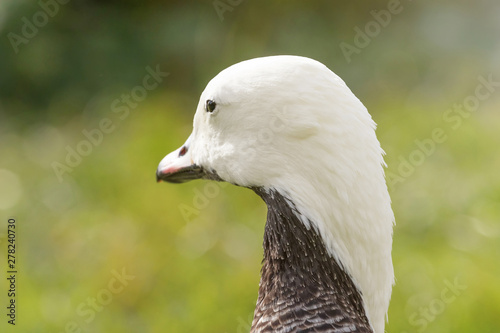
210, 106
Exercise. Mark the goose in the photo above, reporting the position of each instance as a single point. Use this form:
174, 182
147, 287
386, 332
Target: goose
290, 129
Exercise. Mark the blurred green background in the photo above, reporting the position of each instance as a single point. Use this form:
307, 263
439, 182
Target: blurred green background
189, 256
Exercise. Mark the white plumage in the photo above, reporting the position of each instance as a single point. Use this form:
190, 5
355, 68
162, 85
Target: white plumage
290, 125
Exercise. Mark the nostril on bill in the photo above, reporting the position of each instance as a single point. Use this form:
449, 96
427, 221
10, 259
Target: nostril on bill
183, 151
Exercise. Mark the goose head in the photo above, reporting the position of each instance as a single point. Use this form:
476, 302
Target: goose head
289, 125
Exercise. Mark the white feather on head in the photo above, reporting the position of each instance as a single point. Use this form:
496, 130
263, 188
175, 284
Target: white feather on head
291, 124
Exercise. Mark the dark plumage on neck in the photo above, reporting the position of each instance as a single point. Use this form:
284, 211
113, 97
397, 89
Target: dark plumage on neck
302, 288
